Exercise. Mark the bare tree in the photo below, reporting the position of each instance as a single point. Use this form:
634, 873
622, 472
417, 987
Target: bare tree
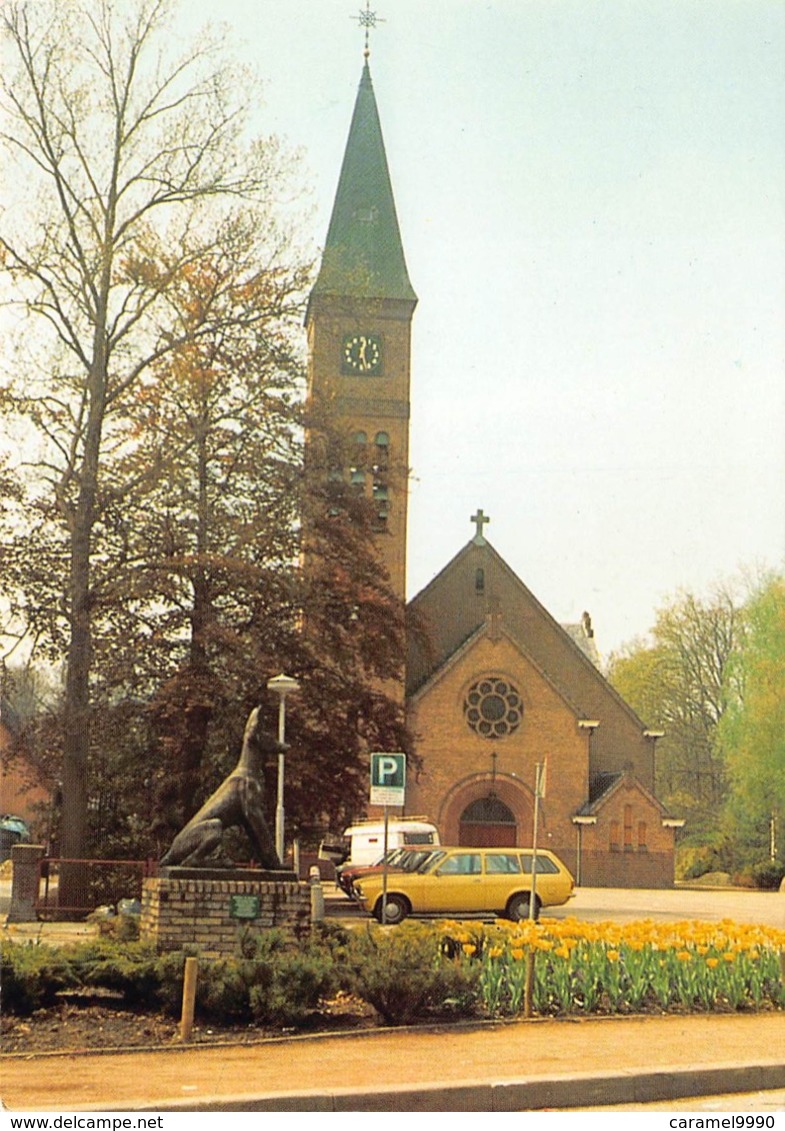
125, 159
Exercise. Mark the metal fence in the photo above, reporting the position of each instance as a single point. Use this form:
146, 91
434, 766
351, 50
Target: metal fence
70, 888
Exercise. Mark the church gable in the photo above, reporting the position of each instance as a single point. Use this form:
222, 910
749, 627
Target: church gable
477, 584
481, 724
626, 834
494, 633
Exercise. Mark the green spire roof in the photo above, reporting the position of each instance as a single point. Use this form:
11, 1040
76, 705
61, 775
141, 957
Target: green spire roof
363, 256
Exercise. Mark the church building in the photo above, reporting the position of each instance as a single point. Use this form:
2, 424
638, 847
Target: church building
496, 691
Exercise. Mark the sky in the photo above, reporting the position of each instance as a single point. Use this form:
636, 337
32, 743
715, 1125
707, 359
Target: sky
591, 195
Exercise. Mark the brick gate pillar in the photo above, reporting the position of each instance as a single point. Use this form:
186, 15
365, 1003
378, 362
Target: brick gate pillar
25, 859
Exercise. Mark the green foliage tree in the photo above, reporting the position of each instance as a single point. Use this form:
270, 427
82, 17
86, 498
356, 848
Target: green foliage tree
681, 683
753, 729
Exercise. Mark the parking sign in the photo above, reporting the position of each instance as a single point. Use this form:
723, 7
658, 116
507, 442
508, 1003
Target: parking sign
388, 779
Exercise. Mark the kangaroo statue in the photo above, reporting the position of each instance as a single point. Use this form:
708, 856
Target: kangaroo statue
238, 801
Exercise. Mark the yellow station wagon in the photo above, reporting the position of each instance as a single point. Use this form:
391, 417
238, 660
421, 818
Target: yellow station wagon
454, 880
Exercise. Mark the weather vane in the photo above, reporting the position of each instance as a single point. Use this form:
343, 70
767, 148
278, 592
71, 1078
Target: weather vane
367, 19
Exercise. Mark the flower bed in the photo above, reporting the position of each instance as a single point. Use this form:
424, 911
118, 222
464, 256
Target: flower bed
579, 967
421, 971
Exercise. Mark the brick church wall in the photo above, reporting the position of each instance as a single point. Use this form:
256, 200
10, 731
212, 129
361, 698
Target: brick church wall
458, 764
628, 846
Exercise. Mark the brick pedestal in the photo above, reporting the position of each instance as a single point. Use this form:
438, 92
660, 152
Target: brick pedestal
213, 914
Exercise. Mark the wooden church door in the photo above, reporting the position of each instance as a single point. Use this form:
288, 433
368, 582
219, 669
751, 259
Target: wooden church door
487, 823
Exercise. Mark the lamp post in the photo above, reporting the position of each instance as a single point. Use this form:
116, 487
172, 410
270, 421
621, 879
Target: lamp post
282, 685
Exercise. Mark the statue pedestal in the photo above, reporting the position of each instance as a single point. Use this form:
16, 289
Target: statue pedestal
211, 910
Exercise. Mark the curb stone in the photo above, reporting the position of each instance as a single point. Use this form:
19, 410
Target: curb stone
537, 1094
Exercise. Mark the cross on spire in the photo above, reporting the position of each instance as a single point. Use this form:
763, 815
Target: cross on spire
367, 20
480, 520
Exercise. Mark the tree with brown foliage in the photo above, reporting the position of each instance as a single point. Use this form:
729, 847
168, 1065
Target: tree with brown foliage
130, 160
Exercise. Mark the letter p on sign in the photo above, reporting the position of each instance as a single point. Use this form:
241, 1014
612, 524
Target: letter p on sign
388, 779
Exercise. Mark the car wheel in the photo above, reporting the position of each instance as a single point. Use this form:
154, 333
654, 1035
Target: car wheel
518, 907
397, 910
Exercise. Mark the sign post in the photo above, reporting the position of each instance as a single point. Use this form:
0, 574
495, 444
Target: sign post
540, 773
388, 787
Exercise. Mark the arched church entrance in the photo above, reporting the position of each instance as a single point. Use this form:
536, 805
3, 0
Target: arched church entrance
488, 823
487, 811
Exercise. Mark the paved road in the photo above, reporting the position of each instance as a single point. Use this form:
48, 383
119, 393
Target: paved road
622, 905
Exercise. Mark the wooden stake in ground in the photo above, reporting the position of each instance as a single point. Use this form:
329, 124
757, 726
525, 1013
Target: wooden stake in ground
189, 998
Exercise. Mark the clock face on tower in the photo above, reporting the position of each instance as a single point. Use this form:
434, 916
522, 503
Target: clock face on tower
362, 353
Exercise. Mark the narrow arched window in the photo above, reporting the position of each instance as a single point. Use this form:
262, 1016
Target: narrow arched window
381, 497
382, 442
628, 828
479, 581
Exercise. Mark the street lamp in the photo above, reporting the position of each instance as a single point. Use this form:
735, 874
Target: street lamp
282, 685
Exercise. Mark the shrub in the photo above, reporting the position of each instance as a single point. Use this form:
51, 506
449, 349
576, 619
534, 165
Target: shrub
129, 968
32, 975
275, 982
404, 973
768, 874
695, 860
743, 880
223, 989
298, 983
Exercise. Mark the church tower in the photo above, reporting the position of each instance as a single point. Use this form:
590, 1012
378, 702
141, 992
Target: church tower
359, 332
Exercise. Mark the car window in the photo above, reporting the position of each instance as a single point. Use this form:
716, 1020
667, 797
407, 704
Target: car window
418, 838
461, 864
431, 860
545, 867
502, 863
412, 860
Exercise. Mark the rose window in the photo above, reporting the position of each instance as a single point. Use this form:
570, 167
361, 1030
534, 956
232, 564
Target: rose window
493, 707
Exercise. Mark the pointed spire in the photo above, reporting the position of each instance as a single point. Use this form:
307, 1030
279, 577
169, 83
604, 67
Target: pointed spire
363, 255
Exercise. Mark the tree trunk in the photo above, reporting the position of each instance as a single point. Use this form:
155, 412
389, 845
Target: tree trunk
76, 722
